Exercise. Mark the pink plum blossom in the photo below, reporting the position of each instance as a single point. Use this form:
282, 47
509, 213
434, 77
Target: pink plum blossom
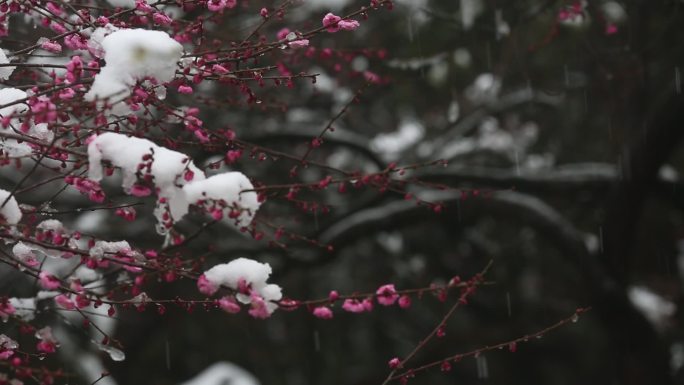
65, 302
258, 309
386, 295
229, 305
404, 302
205, 286
48, 281
334, 23
353, 306
323, 312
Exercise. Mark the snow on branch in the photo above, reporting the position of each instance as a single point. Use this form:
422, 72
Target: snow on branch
10, 209
132, 55
148, 168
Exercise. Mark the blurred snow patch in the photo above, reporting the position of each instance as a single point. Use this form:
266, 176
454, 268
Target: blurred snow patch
502, 27
90, 221
222, 373
359, 64
614, 12
10, 212
462, 57
5, 72
438, 73
392, 242
676, 357
300, 115
592, 242
491, 136
390, 145
470, 10
324, 83
26, 308
485, 88
341, 158
538, 162
668, 173
416, 12
453, 112
328, 5
654, 307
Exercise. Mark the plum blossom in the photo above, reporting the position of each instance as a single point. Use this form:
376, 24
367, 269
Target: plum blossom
48, 281
282, 34
323, 312
25, 254
259, 307
299, 43
249, 279
348, 25
87, 187
353, 306
387, 295
161, 19
48, 344
219, 5
295, 41
51, 46
404, 302
367, 304
330, 22
65, 302
334, 23
7, 346
6, 310
205, 286
229, 305
183, 89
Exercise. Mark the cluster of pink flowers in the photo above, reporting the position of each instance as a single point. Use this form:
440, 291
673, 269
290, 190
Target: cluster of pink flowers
43, 110
219, 5
48, 281
258, 308
228, 304
386, 295
294, 39
574, 10
87, 187
7, 347
6, 309
47, 344
334, 23
205, 286
65, 301
127, 213
51, 46
191, 122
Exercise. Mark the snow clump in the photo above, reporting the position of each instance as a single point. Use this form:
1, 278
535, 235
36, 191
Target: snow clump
10, 212
249, 279
132, 55
174, 178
